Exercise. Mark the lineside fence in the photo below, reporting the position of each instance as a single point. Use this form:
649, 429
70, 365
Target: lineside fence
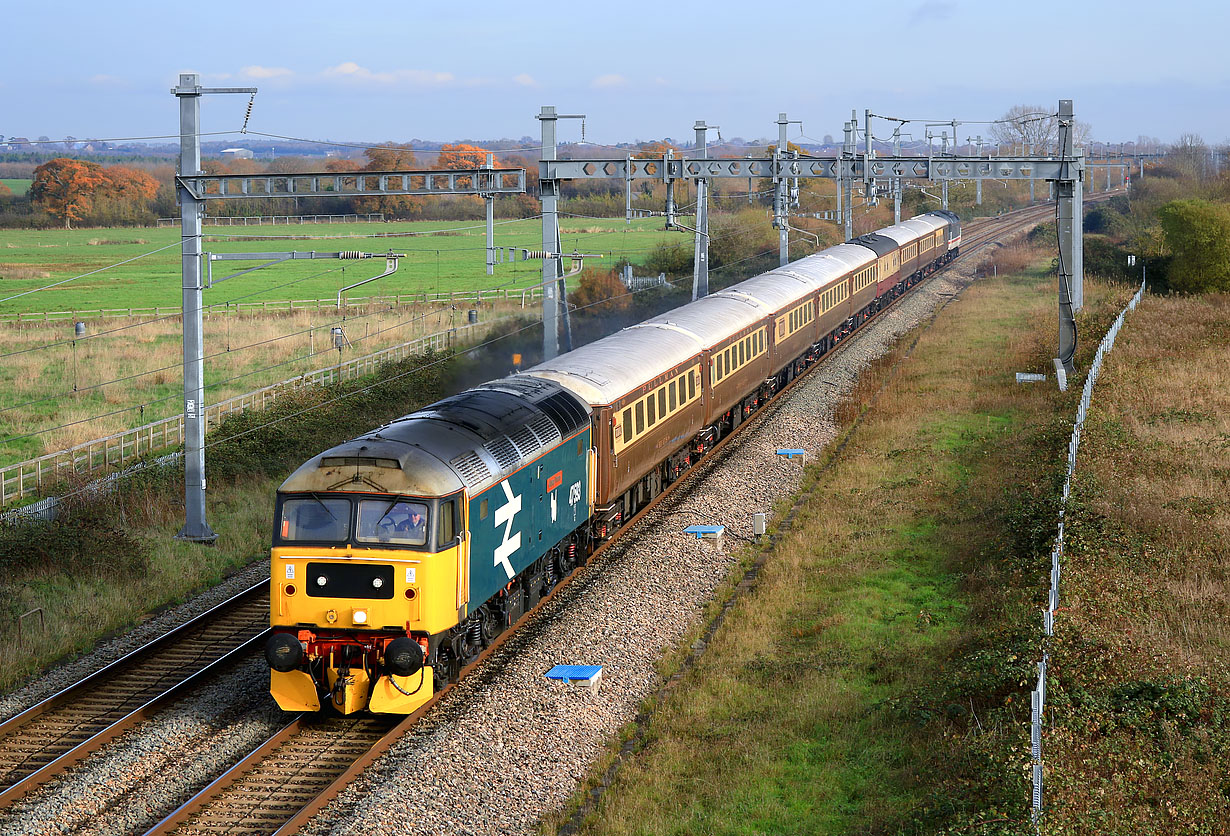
478, 297
280, 220
1038, 695
26, 478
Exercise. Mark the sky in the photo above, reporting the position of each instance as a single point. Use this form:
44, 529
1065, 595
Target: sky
379, 71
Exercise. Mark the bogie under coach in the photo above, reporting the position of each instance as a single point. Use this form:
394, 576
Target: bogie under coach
400, 555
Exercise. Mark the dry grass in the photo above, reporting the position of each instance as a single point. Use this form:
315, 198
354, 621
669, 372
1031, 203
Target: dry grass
66, 392
872, 680
1142, 737
22, 271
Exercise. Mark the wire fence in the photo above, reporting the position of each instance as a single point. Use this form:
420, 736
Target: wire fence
502, 294
1038, 695
279, 220
27, 478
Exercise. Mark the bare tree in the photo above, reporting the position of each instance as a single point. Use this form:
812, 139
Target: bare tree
1190, 155
1031, 125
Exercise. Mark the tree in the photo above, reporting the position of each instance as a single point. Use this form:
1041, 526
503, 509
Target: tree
461, 156
65, 188
1190, 155
654, 150
601, 292
5, 191
390, 157
1032, 125
1197, 233
129, 184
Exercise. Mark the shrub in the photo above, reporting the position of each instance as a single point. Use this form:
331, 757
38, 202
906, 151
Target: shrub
1197, 233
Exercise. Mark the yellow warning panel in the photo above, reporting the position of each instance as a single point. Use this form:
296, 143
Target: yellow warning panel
415, 690
294, 691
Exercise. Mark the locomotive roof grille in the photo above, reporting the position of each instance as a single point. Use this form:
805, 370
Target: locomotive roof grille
472, 468
503, 451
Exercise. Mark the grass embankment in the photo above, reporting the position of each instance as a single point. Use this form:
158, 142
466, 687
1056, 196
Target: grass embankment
440, 257
874, 680
110, 561
1139, 703
129, 372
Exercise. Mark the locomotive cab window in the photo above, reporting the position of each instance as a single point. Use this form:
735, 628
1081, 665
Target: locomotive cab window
395, 521
448, 523
314, 520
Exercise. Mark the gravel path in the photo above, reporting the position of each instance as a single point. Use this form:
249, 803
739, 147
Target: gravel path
507, 744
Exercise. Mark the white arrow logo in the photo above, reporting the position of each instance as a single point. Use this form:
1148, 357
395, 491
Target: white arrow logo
504, 516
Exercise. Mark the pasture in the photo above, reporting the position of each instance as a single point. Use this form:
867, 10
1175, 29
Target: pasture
17, 187
440, 257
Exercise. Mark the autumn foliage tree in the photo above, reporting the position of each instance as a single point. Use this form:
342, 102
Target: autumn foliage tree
460, 156
65, 188
601, 292
390, 157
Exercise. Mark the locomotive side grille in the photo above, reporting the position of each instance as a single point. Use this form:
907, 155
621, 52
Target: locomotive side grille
525, 439
473, 469
504, 452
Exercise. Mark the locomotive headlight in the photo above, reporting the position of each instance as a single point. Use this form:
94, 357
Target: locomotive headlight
321, 580
359, 616
377, 583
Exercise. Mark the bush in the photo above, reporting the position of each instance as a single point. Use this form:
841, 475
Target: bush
674, 258
1197, 233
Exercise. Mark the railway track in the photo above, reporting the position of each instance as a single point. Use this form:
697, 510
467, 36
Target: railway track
280, 785
44, 740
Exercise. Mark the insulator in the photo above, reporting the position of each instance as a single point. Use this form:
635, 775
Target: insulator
350, 254
537, 254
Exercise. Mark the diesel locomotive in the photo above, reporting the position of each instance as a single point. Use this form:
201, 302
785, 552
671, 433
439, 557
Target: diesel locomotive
400, 555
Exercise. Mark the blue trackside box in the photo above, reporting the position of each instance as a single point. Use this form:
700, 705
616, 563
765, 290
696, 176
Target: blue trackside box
575, 673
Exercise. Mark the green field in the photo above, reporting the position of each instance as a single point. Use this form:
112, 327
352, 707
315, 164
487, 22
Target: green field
440, 257
17, 186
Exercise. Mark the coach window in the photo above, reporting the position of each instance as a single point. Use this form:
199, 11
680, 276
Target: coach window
670, 387
652, 408
627, 423
640, 417
683, 392
691, 386
742, 352
662, 402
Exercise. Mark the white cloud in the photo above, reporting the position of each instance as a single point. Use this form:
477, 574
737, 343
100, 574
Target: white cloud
266, 72
525, 80
609, 80
351, 71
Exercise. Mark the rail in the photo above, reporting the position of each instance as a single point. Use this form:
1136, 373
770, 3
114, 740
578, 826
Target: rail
1038, 694
27, 478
